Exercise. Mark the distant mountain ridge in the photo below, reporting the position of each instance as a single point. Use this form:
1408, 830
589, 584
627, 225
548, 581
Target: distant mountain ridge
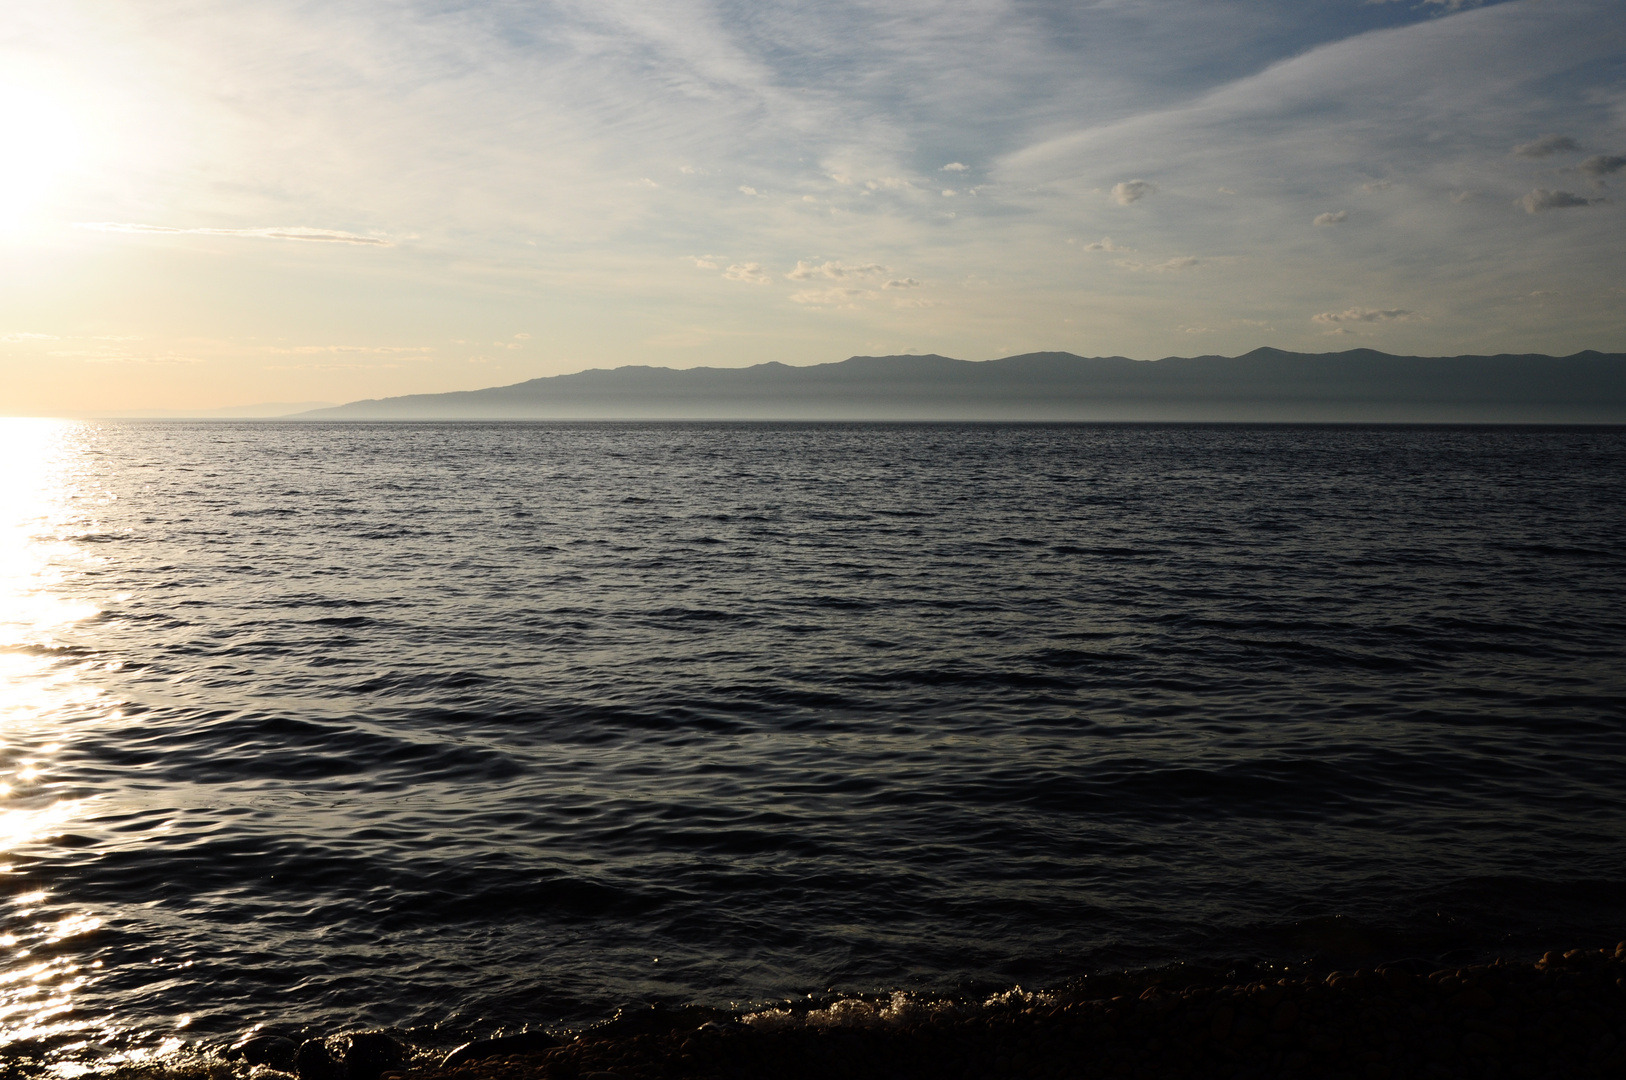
1263, 385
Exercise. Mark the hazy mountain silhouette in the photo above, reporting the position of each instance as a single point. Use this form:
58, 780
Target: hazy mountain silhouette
1266, 384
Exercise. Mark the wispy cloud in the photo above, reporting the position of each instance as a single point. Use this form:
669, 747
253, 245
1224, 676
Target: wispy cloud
1363, 315
312, 349
1333, 217
1179, 262
835, 296
749, 272
21, 337
834, 271
298, 232
1105, 244
1546, 146
1601, 165
954, 166
120, 356
1542, 199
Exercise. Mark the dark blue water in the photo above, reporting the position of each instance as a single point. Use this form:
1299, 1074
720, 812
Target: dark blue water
451, 727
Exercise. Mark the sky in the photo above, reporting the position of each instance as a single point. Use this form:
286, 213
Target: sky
210, 203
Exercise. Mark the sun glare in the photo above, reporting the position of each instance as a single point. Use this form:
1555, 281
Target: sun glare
39, 140
38, 690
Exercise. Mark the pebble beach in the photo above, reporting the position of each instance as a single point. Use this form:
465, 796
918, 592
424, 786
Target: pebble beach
1561, 1016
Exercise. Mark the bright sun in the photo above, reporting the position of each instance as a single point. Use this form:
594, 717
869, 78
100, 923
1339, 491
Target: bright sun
39, 140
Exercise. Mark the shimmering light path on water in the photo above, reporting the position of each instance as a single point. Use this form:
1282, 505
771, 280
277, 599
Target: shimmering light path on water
467, 725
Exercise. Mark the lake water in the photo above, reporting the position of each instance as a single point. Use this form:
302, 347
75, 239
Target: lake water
467, 726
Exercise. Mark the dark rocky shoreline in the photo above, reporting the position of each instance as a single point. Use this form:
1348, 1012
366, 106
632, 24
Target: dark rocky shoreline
1562, 1016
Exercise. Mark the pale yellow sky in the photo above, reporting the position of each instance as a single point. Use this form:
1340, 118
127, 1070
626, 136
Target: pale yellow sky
224, 204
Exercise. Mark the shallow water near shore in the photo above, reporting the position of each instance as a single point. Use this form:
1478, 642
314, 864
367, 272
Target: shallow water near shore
460, 727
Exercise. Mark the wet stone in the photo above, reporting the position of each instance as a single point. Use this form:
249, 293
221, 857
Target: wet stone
369, 1053
526, 1042
271, 1050
314, 1061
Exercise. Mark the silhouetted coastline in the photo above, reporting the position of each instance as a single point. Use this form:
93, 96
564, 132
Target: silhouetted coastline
1265, 385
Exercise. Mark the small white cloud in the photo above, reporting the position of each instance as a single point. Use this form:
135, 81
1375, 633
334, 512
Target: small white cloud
902, 283
1546, 146
1363, 315
751, 272
1377, 185
913, 302
834, 271
1542, 199
706, 262
1130, 191
954, 166
753, 192
522, 336
686, 170
1105, 244
1332, 217
949, 193
647, 182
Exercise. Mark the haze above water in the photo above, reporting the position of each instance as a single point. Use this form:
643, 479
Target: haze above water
466, 725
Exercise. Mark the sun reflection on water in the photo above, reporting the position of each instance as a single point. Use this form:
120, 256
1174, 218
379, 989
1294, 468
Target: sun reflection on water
40, 692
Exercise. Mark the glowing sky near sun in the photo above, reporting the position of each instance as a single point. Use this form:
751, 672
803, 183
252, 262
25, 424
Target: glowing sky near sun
235, 202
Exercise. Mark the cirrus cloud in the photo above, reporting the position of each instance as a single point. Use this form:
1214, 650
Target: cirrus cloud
295, 232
